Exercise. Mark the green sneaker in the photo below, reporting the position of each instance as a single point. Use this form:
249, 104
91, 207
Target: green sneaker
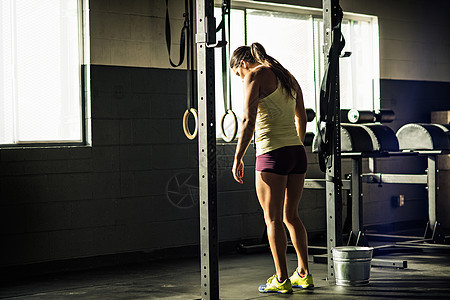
273, 286
306, 282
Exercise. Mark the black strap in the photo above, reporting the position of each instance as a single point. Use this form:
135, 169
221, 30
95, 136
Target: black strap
327, 92
182, 37
225, 27
190, 53
187, 30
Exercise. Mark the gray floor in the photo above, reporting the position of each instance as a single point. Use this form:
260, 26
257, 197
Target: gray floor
427, 276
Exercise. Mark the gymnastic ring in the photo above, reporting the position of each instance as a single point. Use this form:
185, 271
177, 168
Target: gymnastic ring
189, 111
222, 121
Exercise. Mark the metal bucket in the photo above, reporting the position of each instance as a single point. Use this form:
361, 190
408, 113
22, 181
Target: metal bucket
352, 265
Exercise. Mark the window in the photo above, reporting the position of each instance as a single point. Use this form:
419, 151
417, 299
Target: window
294, 36
41, 58
359, 73
288, 38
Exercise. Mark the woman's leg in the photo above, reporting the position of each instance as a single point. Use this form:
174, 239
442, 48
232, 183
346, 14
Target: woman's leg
297, 231
270, 188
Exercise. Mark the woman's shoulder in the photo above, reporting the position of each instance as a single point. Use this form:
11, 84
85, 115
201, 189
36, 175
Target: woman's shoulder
261, 70
263, 74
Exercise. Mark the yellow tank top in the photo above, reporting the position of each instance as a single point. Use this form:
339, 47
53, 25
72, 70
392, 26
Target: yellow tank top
275, 122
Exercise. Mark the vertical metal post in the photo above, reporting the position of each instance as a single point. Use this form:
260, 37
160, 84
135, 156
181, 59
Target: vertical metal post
333, 173
372, 165
431, 187
207, 154
356, 195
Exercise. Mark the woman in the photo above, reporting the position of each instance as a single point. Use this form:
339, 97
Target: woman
274, 110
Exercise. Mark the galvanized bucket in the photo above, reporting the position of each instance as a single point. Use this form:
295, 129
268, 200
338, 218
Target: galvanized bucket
352, 265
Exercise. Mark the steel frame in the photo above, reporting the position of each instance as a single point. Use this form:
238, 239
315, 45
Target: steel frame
357, 236
207, 150
333, 172
432, 231
428, 179
320, 184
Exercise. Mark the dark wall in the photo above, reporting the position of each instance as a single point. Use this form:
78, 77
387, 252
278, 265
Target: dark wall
135, 189
413, 101
114, 197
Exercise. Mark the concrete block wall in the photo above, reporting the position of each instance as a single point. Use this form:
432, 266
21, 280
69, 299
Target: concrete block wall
132, 33
135, 189
120, 194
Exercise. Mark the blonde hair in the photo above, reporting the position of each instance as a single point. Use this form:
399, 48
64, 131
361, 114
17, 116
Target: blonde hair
255, 53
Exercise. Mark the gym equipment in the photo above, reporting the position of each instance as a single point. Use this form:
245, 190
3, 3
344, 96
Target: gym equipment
424, 137
186, 30
309, 136
224, 27
355, 116
206, 41
310, 114
427, 140
376, 140
328, 125
190, 111
368, 116
364, 138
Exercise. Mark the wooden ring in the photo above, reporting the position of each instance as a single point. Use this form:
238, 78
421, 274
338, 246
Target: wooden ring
222, 121
188, 134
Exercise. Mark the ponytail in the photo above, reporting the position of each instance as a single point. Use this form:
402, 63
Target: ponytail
257, 54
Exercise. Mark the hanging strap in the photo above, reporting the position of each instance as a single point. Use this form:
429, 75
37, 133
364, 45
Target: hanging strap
190, 95
190, 53
225, 27
182, 36
327, 92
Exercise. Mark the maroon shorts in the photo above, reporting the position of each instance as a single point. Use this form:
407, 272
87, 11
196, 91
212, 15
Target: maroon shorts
283, 161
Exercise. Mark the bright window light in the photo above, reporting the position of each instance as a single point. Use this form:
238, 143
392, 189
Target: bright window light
296, 40
358, 74
289, 39
40, 75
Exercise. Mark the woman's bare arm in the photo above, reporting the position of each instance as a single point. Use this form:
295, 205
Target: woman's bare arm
300, 114
251, 97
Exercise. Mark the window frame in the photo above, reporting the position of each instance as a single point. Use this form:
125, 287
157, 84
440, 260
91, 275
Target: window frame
84, 88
